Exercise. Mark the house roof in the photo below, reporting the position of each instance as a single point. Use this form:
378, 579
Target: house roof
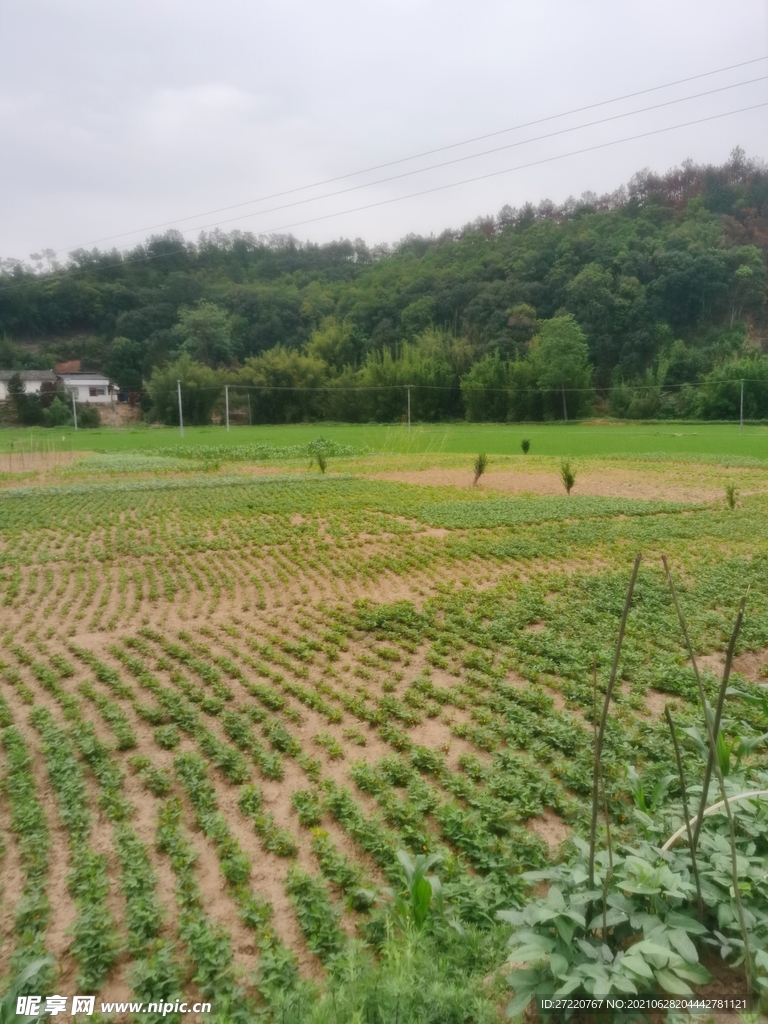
83, 378
79, 379
6, 375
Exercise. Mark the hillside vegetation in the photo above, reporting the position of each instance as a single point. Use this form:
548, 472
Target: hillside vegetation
647, 302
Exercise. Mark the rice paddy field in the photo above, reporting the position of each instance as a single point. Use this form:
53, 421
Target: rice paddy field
240, 696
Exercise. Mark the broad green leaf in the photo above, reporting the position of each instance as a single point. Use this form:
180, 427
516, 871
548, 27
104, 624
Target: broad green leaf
637, 965
623, 983
564, 928
612, 918
696, 973
672, 984
675, 919
555, 899
649, 948
679, 940
558, 965
519, 1002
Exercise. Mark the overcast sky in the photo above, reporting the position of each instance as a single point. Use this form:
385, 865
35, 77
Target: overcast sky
116, 117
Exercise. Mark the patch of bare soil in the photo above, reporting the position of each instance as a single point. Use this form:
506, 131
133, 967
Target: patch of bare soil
605, 482
655, 702
552, 829
19, 461
714, 663
753, 665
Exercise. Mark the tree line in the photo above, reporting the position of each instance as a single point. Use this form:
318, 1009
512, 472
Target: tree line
647, 302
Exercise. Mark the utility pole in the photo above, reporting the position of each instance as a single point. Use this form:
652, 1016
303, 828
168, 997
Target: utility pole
408, 388
181, 418
565, 407
741, 410
226, 403
250, 419
74, 408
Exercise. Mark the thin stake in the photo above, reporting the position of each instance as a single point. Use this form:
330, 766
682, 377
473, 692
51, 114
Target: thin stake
720, 778
603, 719
718, 717
691, 844
181, 415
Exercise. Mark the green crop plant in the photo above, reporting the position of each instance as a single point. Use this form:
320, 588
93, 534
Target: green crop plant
525, 444
307, 804
96, 942
166, 736
208, 945
318, 916
35, 977
113, 714
480, 465
276, 840
28, 823
330, 744
157, 780
567, 475
420, 894
731, 495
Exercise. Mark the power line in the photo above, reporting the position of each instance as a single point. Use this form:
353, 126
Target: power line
485, 152
329, 389
149, 257
491, 174
425, 153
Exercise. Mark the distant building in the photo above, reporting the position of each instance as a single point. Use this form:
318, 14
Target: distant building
89, 388
32, 380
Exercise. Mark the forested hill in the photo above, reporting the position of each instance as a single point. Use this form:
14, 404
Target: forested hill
664, 281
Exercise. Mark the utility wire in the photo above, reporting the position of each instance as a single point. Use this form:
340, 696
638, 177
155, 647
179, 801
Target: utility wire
483, 177
148, 257
330, 389
425, 153
482, 153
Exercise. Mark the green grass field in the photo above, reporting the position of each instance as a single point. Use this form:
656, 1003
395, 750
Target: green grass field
571, 440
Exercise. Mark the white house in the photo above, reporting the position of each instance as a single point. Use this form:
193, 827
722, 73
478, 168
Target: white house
89, 388
31, 379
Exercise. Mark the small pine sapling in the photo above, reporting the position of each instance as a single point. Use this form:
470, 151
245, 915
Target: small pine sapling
525, 444
481, 464
567, 475
731, 494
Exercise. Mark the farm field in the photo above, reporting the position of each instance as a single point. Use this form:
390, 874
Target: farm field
234, 690
556, 439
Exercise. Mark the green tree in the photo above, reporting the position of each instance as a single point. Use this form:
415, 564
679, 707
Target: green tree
289, 385
205, 333
58, 414
125, 363
719, 397
560, 359
16, 397
333, 342
427, 366
485, 389
200, 391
